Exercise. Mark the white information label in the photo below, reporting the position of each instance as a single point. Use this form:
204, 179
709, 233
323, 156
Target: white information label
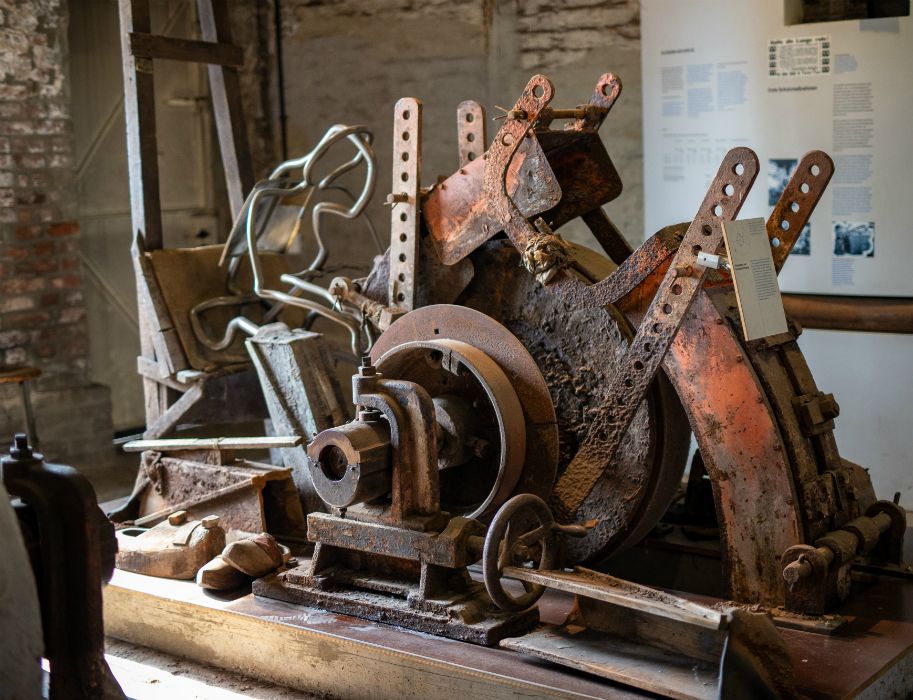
752, 265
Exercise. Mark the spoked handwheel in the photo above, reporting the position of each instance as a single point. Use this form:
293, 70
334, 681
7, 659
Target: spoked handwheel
522, 531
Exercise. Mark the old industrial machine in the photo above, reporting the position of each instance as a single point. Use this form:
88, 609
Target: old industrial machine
527, 403
635, 353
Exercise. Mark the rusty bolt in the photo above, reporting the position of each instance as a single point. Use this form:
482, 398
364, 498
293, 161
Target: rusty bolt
396, 198
210, 521
518, 114
366, 369
179, 517
339, 286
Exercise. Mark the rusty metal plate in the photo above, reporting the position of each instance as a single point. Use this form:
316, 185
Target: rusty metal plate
585, 171
455, 212
742, 451
681, 284
482, 332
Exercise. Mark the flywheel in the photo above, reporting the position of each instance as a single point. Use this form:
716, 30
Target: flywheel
496, 429
577, 350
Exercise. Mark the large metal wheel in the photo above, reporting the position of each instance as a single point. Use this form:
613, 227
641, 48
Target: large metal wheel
485, 385
523, 530
577, 350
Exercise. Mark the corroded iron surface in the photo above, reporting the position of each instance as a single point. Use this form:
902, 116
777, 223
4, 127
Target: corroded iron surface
578, 351
455, 211
797, 202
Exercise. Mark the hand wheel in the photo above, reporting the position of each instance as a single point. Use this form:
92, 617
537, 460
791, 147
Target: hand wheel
521, 531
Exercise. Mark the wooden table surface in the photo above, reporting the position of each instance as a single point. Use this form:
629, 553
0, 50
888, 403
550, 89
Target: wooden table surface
347, 657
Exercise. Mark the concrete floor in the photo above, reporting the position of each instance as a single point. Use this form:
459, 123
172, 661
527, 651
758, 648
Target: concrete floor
112, 478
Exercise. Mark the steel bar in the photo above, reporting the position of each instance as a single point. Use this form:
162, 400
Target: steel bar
470, 131
404, 229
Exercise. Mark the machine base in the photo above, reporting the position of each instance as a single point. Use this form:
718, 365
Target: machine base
467, 617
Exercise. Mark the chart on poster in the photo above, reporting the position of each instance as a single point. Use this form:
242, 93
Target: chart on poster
760, 77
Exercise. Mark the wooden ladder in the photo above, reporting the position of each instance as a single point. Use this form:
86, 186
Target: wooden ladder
160, 347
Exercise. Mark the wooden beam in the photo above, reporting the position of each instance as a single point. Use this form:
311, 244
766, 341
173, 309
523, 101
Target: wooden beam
324, 653
139, 113
872, 314
169, 48
225, 91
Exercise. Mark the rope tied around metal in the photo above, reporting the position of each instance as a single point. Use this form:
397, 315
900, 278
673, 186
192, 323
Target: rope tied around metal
546, 253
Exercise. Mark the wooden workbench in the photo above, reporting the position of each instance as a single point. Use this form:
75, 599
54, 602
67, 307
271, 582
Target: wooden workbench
344, 657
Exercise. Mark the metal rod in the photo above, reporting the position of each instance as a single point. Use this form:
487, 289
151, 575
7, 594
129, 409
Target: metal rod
29, 414
280, 79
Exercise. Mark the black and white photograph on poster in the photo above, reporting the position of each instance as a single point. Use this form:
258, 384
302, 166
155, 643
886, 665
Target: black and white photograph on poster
803, 244
779, 170
856, 238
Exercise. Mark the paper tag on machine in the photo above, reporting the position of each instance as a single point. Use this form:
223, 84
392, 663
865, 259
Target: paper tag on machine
755, 278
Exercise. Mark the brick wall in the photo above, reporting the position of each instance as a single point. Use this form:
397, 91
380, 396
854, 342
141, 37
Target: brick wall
562, 32
42, 310
341, 68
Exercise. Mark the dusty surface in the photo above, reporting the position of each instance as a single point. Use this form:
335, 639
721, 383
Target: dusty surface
577, 351
146, 673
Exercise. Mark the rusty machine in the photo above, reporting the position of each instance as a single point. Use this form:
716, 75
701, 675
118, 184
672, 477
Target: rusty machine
527, 403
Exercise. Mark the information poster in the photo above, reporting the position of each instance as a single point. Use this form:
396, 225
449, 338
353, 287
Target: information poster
719, 74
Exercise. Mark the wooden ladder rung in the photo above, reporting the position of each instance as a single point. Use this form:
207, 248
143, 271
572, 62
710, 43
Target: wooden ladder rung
145, 45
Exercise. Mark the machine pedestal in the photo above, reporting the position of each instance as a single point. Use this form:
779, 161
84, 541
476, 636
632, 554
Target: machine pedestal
468, 616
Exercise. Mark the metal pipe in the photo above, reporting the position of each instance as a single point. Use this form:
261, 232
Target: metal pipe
802, 568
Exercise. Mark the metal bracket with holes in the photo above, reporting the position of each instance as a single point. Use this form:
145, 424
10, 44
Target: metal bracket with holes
680, 286
797, 202
470, 131
404, 229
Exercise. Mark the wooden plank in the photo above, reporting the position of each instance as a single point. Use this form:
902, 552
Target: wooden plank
173, 414
219, 443
840, 313
143, 174
621, 660
324, 653
139, 113
344, 657
608, 589
225, 91
173, 49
